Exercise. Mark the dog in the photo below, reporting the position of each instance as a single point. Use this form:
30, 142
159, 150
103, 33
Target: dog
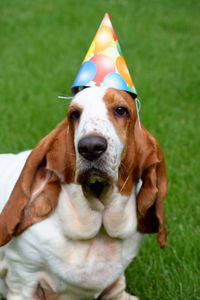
75, 209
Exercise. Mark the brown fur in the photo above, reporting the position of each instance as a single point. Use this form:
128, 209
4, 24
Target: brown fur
141, 158
53, 157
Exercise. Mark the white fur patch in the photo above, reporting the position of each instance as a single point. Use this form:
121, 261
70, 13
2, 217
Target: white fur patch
11, 166
94, 119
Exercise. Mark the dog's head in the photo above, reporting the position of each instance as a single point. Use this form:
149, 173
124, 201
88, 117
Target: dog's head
100, 120
100, 145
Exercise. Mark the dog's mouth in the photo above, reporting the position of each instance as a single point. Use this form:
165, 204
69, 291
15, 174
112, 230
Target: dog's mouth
94, 183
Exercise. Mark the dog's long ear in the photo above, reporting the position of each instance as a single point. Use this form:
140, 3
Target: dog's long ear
36, 192
154, 185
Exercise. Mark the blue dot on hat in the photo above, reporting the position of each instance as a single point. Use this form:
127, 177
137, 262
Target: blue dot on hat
114, 80
86, 73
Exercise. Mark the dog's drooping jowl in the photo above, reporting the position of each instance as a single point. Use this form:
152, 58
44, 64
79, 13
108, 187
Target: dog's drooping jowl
74, 210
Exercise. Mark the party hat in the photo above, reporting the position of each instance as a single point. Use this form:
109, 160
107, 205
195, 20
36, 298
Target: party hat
104, 64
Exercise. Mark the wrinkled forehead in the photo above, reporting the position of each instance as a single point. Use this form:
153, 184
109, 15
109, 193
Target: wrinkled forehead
90, 100
94, 113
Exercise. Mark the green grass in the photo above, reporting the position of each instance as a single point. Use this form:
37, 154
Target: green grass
42, 44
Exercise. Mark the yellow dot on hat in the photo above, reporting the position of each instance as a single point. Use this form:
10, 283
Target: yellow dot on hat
103, 39
90, 52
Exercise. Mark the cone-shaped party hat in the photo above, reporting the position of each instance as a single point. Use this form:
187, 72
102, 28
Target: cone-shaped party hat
104, 64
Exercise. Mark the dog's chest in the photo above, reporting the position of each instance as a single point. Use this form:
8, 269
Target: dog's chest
89, 265
101, 248
80, 262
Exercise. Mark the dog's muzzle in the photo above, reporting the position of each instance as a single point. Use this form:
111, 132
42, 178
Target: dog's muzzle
93, 179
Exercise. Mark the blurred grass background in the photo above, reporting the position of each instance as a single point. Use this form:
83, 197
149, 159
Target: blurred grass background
42, 44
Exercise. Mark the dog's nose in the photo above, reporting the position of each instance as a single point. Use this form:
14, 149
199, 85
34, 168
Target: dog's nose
92, 147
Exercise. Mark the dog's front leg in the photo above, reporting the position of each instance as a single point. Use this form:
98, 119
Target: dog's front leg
117, 291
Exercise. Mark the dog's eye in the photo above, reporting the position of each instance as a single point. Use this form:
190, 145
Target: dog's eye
75, 115
121, 111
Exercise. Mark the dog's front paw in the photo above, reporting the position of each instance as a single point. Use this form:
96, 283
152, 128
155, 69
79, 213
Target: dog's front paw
133, 298
123, 296
126, 296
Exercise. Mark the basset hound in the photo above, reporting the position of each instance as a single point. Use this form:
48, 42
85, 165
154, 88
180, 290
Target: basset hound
74, 210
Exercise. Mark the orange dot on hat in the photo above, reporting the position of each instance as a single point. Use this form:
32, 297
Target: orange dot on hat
123, 70
103, 38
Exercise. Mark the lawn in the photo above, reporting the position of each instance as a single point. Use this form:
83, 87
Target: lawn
42, 44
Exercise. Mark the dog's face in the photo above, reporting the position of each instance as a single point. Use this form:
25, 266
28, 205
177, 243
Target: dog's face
100, 120
100, 145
